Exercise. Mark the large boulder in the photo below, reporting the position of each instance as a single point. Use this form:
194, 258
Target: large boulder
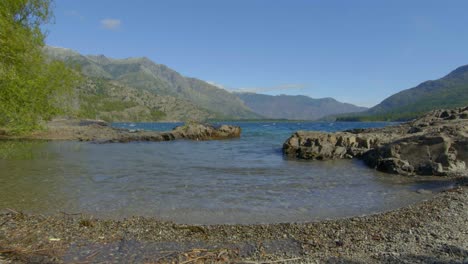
435, 144
324, 146
421, 155
198, 131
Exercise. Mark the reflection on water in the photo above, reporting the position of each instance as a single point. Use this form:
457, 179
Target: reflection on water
14, 150
233, 181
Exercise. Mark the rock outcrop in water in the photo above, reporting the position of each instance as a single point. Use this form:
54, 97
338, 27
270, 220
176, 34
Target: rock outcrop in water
435, 144
102, 132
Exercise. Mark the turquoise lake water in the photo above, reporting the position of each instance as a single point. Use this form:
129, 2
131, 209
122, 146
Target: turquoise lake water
244, 180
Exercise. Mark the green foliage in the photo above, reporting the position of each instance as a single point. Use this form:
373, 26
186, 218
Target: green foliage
89, 106
97, 102
92, 105
157, 115
32, 89
389, 117
109, 106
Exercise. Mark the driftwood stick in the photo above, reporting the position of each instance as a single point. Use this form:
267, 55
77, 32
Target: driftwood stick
269, 262
197, 258
13, 211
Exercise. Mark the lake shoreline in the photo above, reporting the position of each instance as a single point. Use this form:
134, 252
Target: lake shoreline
429, 231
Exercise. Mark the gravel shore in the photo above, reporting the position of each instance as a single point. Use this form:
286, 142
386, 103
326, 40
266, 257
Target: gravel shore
433, 231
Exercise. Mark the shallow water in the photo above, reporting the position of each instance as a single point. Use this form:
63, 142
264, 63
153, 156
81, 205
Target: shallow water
244, 180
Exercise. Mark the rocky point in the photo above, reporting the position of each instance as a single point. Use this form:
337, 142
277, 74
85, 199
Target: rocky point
435, 144
101, 132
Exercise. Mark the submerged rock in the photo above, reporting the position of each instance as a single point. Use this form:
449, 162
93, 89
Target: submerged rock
435, 144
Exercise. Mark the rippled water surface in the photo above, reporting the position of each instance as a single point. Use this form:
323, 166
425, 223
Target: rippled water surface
244, 180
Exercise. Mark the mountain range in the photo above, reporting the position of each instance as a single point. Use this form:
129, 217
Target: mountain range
295, 106
137, 89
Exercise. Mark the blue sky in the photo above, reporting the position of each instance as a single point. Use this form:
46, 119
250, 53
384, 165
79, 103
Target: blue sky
357, 51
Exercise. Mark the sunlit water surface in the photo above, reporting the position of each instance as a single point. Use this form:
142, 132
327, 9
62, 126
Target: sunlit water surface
245, 180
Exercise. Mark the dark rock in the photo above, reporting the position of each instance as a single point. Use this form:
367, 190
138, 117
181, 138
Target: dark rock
355, 130
396, 166
413, 130
444, 114
452, 117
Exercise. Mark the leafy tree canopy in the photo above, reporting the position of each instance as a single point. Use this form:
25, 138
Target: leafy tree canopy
32, 88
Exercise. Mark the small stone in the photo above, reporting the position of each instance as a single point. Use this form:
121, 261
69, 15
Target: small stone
424, 191
339, 243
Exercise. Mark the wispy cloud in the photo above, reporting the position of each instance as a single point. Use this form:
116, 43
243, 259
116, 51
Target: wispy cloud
111, 23
291, 86
282, 87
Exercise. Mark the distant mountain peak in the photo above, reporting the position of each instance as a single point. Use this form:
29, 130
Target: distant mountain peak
460, 72
100, 59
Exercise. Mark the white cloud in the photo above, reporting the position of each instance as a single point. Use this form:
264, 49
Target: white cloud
291, 86
111, 24
217, 85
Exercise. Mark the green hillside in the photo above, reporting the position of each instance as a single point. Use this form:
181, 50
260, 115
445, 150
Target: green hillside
99, 98
448, 92
297, 107
194, 97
